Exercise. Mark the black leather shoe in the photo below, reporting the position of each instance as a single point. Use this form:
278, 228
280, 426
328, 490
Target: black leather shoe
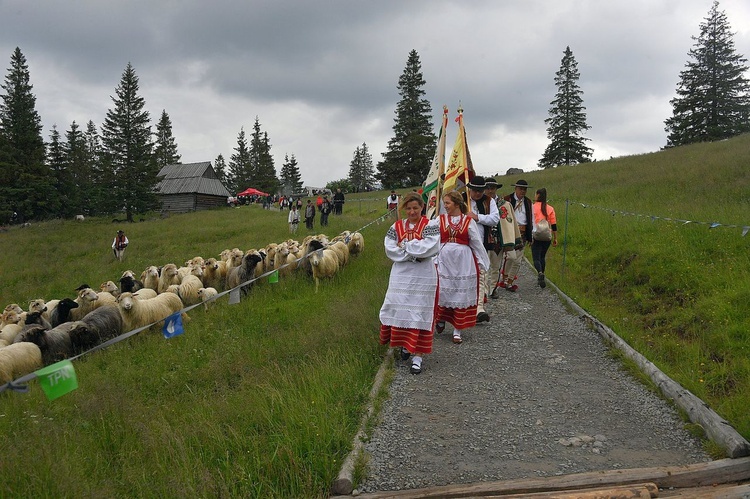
483, 317
405, 353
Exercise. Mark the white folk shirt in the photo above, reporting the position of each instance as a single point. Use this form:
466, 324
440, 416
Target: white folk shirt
520, 209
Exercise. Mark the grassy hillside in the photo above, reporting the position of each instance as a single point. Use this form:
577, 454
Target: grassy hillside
677, 292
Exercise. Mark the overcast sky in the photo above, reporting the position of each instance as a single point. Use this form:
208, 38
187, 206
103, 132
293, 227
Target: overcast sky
321, 76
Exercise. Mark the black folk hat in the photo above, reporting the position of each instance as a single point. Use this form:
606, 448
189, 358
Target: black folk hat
492, 183
521, 183
477, 183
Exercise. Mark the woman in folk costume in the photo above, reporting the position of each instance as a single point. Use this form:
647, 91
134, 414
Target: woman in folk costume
461, 256
408, 312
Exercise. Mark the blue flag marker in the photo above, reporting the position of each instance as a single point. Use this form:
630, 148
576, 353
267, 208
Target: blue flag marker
173, 325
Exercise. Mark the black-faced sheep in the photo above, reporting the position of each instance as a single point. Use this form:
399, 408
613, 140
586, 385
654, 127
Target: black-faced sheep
61, 312
129, 284
138, 313
96, 327
54, 343
37, 318
244, 272
19, 359
323, 261
167, 277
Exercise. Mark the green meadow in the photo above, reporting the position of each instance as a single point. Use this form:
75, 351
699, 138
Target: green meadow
262, 398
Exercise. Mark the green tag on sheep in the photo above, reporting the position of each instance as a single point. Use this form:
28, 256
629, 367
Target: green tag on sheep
274, 277
57, 379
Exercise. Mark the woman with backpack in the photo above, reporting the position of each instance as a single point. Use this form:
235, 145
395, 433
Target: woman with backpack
543, 234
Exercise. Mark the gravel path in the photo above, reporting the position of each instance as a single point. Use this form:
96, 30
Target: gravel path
532, 393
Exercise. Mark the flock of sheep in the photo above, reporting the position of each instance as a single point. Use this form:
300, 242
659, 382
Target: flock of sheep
50, 331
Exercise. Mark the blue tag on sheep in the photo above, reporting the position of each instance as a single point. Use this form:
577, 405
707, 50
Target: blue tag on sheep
173, 325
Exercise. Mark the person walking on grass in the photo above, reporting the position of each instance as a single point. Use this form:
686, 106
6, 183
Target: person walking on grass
325, 210
293, 219
119, 244
544, 233
461, 257
310, 215
338, 202
391, 202
407, 316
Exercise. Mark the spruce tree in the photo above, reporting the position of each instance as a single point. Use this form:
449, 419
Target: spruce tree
25, 180
261, 169
291, 179
239, 165
79, 170
410, 151
101, 179
220, 168
127, 149
62, 182
361, 171
713, 95
567, 119
166, 147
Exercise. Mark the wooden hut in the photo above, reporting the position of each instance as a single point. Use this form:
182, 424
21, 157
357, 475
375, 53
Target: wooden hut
190, 187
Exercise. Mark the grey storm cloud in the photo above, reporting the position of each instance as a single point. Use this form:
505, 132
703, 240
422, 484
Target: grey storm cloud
321, 76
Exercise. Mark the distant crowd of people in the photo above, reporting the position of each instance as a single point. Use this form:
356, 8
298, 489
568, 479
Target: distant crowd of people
445, 268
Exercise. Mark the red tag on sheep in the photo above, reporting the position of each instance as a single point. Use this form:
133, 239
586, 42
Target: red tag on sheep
173, 325
57, 379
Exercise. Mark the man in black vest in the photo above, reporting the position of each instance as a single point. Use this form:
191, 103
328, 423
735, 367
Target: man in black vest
485, 214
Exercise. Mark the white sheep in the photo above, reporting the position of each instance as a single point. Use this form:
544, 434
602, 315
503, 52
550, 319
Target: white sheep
37, 305
80, 218
342, 252
188, 289
88, 300
214, 273
168, 277
19, 359
205, 295
110, 287
144, 294
150, 278
356, 243
9, 332
323, 261
137, 313
174, 289
49, 307
10, 314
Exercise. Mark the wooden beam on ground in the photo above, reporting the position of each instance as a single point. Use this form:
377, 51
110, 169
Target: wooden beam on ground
722, 471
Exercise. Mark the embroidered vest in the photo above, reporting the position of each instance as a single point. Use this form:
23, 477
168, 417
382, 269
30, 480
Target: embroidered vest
404, 233
454, 233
